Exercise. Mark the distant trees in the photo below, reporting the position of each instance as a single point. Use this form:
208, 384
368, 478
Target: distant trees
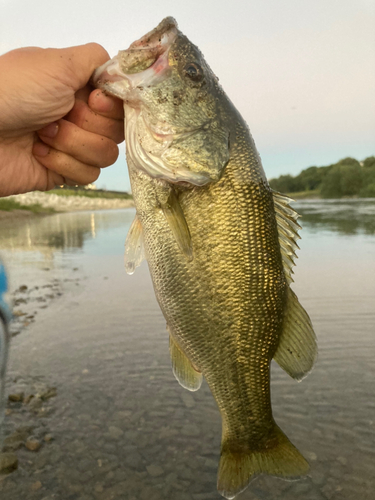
344, 178
368, 178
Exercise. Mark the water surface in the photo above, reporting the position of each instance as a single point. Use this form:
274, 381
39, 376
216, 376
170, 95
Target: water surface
121, 426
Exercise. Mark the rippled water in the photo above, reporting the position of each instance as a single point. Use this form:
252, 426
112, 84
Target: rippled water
121, 426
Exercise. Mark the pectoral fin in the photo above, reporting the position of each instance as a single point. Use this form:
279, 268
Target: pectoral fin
297, 350
178, 225
183, 369
134, 248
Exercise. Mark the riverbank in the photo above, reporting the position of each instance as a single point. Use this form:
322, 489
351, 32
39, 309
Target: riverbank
39, 203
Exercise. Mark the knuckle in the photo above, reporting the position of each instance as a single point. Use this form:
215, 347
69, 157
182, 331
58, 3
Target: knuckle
98, 48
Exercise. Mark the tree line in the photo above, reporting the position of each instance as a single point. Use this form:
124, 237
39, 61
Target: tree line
347, 177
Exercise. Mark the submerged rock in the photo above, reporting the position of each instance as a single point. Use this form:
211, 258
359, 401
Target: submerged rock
48, 438
17, 397
17, 439
8, 462
36, 486
33, 444
47, 393
115, 432
155, 470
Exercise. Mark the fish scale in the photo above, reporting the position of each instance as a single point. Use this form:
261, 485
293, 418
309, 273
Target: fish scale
185, 305
218, 243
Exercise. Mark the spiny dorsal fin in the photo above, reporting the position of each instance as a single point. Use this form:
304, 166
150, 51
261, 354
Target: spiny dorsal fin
178, 225
297, 350
183, 370
288, 227
134, 248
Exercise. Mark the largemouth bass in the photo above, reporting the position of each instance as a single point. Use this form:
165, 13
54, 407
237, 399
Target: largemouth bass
219, 244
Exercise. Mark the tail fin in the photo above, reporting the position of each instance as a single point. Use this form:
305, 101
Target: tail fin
278, 458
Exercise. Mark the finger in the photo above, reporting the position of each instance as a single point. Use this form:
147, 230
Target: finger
86, 119
65, 165
86, 147
54, 179
80, 62
106, 105
70, 182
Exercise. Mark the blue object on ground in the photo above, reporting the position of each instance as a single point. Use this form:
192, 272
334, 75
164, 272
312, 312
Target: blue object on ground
5, 317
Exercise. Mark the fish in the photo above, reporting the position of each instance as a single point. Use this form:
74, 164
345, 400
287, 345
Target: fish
220, 246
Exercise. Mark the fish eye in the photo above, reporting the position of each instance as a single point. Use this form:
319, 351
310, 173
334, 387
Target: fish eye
194, 72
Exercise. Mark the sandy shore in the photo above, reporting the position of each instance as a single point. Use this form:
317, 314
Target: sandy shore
70, 203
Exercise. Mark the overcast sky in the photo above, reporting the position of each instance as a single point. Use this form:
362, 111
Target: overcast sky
302, 73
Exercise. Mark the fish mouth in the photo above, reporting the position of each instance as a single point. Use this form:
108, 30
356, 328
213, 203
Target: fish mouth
145, 62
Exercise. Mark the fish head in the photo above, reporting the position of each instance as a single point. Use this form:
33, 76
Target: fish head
176, 120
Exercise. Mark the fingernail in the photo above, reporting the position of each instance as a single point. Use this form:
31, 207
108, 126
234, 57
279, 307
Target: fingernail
50, 130
40, 149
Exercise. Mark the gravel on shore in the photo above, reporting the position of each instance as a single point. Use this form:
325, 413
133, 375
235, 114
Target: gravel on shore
70, 203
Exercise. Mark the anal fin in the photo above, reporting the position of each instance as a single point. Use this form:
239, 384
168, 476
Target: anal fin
186, 375
297, 350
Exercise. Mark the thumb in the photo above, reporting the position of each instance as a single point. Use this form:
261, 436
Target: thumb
80, 62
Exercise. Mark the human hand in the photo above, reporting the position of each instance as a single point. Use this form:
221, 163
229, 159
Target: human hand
53, 128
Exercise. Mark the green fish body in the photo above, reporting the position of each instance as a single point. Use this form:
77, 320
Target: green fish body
219, 245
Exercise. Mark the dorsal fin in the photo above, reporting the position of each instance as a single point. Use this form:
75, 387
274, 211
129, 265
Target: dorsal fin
297, 350
288, 227
134, 248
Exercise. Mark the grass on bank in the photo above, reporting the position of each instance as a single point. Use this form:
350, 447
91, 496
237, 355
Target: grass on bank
302, 195
36, 208
109, 195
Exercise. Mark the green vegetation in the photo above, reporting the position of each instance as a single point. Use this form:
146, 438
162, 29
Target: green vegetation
91, 193
301, 195
346, 178
9, 205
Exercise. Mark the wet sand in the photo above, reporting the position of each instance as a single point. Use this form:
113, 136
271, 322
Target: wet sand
111, 420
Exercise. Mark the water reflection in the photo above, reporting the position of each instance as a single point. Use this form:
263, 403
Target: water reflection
70, 231
67, 231
342, 216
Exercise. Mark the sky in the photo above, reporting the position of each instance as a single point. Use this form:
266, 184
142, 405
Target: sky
301, 73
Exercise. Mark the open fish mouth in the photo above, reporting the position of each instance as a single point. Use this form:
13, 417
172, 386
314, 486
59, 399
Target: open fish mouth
145, 62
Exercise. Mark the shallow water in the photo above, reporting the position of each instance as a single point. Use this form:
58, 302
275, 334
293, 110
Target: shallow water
121, 426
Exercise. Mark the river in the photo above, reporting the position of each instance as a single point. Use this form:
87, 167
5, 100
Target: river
90, 365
